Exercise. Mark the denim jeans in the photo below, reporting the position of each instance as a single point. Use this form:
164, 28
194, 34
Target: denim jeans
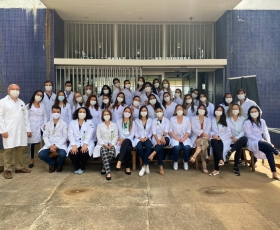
186, 152
44, 156
144, 154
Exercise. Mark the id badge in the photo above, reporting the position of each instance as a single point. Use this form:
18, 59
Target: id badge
53, 132
126, 132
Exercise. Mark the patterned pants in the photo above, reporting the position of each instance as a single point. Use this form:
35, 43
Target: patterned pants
107, 156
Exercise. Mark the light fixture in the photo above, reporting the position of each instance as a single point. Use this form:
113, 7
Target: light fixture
178, 45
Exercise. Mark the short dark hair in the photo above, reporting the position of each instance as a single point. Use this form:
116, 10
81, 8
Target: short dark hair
102, 115
140, 116
225, 103
115, 80
68, 82
75, 114
240, 90
206, 111
126, 81
56, 107
48, 81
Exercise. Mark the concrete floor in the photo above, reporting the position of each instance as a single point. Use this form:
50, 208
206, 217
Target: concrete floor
178, 200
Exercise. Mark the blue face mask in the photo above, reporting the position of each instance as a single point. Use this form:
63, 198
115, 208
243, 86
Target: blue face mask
61, 98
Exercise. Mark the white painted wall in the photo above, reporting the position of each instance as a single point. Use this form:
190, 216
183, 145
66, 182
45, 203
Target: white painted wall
258, 5
25, 4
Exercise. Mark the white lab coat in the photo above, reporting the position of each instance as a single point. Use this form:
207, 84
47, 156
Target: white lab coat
57, 135
210, 110
178, 100
117, 112
100, 101
37, 119
196, 128
66, 113
254, 135
196, 101
130, 135
48, 103
142, 131
14, 120
151, 111
135, 113
169, 110
115, 94
79, 137
77, 106
224, 132
138, 93
180, 130
190, 113
246, 106
104, 136
144, 98
236, 127
159, 128
225, 107
162, 92
129, 94
96, 119
69, 98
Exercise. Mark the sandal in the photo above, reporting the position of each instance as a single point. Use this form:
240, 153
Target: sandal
151, 157
214, 174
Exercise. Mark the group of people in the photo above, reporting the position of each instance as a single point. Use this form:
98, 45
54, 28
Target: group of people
148, 119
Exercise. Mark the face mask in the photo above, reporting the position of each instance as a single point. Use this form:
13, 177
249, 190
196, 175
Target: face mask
228, 100
107, 117
167, 99
241, 96
159, 114
61, 98
203, 99
55, 115
194, 95
105, 91
79, 99
105, 101
38, 98
117, 85
148, 89
189, 101
14, 93
127, 86
254, 115
48, 88
179, 112
218, 113
136, 103
165, 86
177, 94
82, 115
68, 89
93, 102
235, 111
201, 111
156, 85
126, 114
144, 114
88, 91
140, 83
119, 99
153, 101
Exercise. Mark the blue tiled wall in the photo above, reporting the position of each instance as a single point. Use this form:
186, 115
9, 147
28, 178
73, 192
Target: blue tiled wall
58, 36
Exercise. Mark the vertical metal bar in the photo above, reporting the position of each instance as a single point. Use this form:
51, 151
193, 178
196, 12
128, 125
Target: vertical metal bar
196, 78
116, 41
200, 40
98, 41
121, 42
102, 45
144, 41
83, 41
75, 41
106, 56
189, 39
174, 41
136, 43
94, 40
185, 40
204, 50
140, 41
170, 50
214, 88
151, 43
129, 41
164, 45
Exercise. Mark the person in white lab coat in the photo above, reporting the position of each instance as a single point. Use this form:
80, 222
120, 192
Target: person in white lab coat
200, 136
106, 102
135, 107
49, 98
259, 139
220, 138
140, 88
168, 105
152, 106
160, 129
38, 119
235, 121
127, 130
66, 111
195, 97
180, 131
89, 91
118, 107
80, 136
228, 101
106, 90
147, 92
116, 83
55, 139
190, 108
129, 94
156, 86
210, 107
14, 128
68, 93
165, 86
143, 138
78, 101
107, 137
178, 97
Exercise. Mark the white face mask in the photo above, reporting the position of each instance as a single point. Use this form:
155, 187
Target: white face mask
14, 93
88, 91
167, 99
144, 114
140, 83
218, 113
105, 101
203, 99
179, 112
55, 115
254, 115
159, 114
106, 91
93, 102
194, 95
79, 99
148, 89
153, 101
241, 96
136, 103
228, 100
127, 114
107, 117
117, 85
82, 115
38, 98
201, 111
189, 101
235, 111
68, 89
48, 88
156, 85
119, 99
177, 94
127, 86
165, 85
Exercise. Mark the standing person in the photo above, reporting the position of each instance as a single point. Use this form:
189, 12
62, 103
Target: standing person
80, 135
245, 102
156, 86
127, 130
55, 139
210, 107
235, 121
220, 138
107, 137
147, 93
228, 101
189, 107
195, 97
178, 97
129, 94
68, 92
66, 111
106, 90
78, 101
165, 88
49, 98
259, 139
152, 106
168, 105
116, 83
135, 107
88, 92
118, 107
38, 119
142, 138
140, 87
14, 128
180, 131
201, 127
106, 102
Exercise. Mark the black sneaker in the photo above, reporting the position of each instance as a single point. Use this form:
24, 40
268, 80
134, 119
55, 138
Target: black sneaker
228, 155
236, 172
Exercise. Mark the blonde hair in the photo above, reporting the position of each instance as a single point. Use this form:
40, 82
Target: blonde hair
229, 112
74, 99
130, 118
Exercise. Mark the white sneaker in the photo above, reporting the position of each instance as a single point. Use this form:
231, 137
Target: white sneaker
175, 165
147, 171
142, 171
186, 165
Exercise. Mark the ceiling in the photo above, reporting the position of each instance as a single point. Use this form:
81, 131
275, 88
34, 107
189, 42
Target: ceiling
141, 10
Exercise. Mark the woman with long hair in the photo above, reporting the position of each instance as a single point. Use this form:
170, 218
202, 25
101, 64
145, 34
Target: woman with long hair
189, 107
66, 111
165, 85
118, 107
140, 88
205, 101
